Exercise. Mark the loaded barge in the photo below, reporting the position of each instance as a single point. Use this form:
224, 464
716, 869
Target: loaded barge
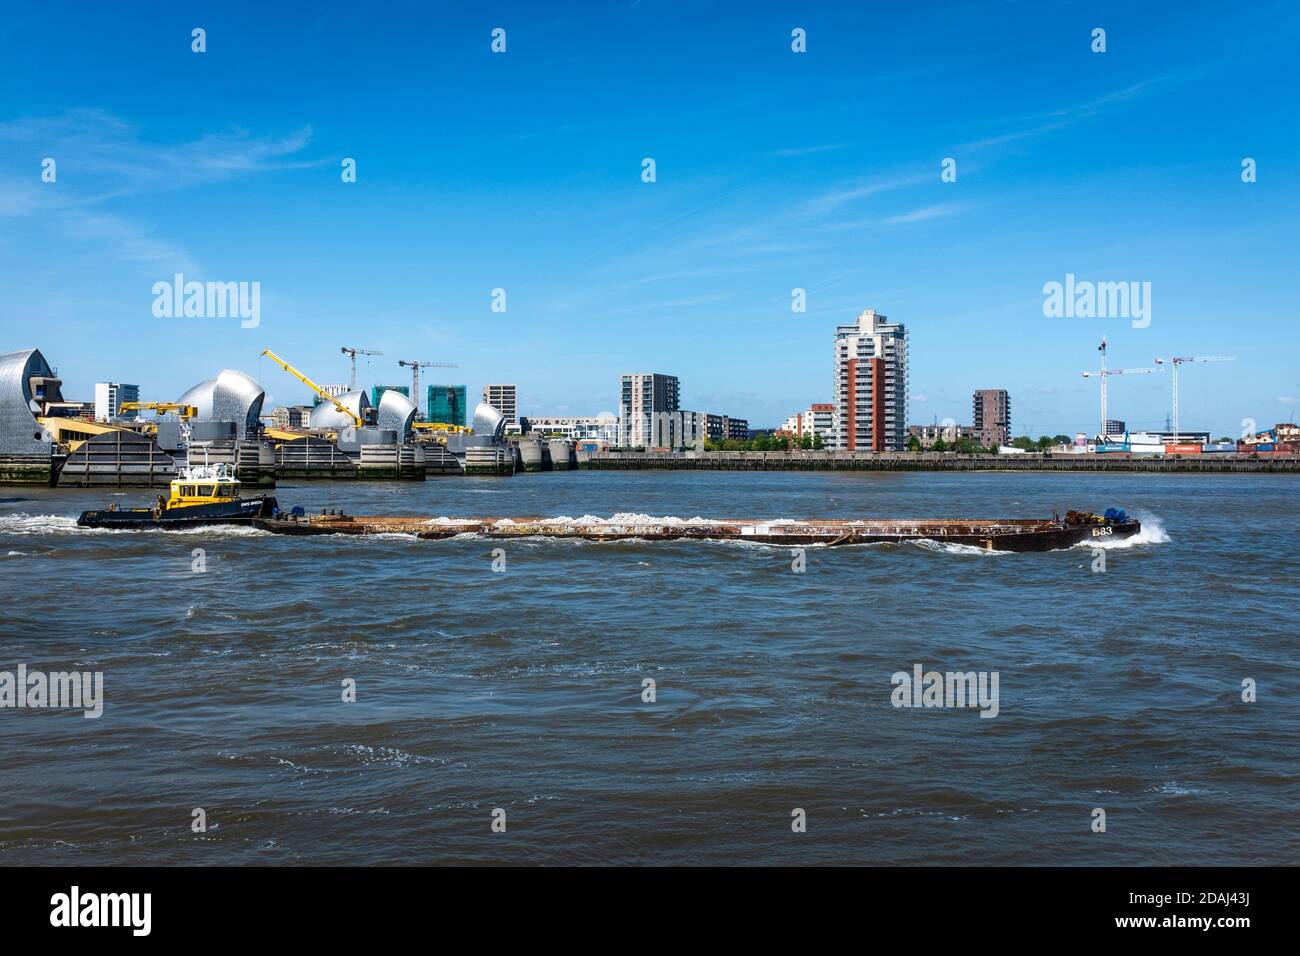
992, 534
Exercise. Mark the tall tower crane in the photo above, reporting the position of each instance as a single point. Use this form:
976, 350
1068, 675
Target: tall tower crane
1104, 373
1178, 360
415, 376
354, 353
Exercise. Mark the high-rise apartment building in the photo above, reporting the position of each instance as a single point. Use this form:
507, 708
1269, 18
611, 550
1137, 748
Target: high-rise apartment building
505, 399
647, 411
446, 404
870, 385
109, 397
992, 416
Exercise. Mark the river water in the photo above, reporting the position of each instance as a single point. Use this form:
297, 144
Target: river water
522, 689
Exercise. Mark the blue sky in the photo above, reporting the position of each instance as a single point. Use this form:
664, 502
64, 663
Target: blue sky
775, 170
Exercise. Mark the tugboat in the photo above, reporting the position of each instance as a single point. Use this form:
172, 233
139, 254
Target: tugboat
200, 495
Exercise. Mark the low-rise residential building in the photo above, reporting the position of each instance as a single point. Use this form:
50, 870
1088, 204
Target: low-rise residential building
950, 432
719, 428
289, 417
817, 420
597, 427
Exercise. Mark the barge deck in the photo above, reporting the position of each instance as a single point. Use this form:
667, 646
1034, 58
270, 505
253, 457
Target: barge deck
994, 534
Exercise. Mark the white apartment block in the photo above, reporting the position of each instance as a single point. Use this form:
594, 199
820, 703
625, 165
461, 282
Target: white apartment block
109, 396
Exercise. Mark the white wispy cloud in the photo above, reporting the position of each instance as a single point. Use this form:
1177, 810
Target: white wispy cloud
1051, 121
936, 211
808, 150
671, 304
101, 158
847, 193
920, 214
129, 241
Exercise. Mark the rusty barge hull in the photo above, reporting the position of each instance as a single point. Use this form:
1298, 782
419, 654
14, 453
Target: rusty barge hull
1010, 534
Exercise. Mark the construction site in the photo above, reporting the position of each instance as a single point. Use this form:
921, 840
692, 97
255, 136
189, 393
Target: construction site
47, 439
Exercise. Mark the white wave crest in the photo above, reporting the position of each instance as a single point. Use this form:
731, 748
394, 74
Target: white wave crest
622, 519
952, 547
65, 524
38, 524
1152, 532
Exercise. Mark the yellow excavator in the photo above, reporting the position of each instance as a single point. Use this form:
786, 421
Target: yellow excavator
314, 387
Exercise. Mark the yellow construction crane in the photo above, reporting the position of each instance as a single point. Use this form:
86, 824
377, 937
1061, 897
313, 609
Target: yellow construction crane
314, 387
183, 412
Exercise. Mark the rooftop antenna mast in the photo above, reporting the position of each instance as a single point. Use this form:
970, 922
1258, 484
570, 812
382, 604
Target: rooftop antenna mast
352, 385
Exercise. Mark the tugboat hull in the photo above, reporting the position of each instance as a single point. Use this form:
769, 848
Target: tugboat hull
243, 511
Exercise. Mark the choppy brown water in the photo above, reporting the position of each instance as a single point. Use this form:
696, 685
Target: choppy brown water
522, 690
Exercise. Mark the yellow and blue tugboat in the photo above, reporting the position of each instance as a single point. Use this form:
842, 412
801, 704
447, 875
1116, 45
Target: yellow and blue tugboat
200, 495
